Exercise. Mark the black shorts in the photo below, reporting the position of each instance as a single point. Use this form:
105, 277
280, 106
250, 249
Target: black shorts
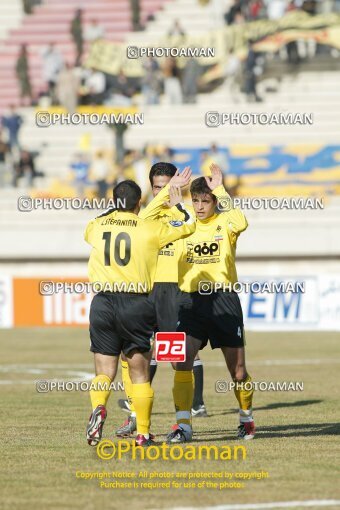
120, 322
216, 317
167, 298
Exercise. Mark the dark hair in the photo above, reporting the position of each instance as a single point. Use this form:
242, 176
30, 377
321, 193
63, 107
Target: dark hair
162, 169
126, 195
199, 186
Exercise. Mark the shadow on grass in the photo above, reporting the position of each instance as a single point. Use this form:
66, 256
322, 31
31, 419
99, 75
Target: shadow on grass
298, 403
296, 430
301, 430
274, 405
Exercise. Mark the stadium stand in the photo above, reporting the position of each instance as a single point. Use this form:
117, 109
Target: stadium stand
11, 15
315, 92
287, 160
50, 23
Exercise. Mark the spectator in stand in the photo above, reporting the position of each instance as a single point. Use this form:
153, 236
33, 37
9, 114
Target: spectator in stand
162, 153
99, 173
233, 72
12, 122
67, 88
239, 18
52, 65
80, 168
151, 81
22, 73
77, 35
29, 4
292, 47
94, 32
122, 92
4, 149
216, 154
172, 84
310, 6
233, 11
255, 9
189, 80
94, 88
141, 166
176, 29
135, 15
25, 168
250, 76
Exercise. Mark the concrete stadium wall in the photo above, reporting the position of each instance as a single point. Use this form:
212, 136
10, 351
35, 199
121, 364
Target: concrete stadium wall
269, 268
58, 234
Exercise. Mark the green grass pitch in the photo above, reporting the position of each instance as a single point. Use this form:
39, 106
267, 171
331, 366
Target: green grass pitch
43, 441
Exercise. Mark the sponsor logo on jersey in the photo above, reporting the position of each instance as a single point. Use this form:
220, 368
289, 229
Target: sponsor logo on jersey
204, 249
168, 250
176, 223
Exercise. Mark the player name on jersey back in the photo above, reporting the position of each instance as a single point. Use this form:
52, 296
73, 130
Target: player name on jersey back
125, 247
119, 222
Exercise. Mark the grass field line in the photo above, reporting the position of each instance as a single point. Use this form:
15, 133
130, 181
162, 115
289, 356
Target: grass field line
263, 506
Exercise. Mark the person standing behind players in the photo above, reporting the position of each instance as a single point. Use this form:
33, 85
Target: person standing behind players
124, 256
165, 294
209, 257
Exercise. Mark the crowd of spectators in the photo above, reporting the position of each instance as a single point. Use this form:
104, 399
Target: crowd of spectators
242, 76
70, 84
241, 11
17, 165
94, 174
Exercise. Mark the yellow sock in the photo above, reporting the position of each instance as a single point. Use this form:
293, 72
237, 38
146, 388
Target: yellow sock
100, 394
245, 395
183, 392
127, 383
142, 395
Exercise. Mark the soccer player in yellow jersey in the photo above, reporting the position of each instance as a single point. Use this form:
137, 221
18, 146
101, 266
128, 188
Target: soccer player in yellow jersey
165, 294
124, 255
208, 259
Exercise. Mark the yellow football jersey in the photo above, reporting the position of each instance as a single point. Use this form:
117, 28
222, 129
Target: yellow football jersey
209, 253
168, 257
125, 247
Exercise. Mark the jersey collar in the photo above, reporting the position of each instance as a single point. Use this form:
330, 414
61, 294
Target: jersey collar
207, 220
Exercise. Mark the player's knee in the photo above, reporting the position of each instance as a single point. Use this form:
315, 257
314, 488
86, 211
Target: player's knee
110, 373
238, 373
187, 364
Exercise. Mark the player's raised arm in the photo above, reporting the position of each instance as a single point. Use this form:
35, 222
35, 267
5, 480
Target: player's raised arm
237, 221
181, 179
153, 209
173, 230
